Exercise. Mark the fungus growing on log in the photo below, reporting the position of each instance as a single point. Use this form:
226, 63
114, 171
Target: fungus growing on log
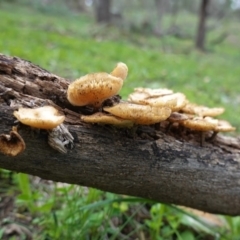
102, 118
200, 124
11, 144
43, 117
224, 126
153, 92
92, 89
47, 118
202, 111
159, 98
139, 114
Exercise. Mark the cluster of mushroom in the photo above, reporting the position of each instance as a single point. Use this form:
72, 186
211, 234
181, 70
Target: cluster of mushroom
145, 106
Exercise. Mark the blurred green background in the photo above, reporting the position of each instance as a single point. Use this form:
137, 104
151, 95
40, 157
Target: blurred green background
68, 39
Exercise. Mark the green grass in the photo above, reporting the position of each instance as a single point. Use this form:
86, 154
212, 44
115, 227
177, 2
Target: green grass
71, 46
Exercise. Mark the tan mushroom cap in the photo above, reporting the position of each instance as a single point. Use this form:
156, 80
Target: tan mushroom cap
137, 97
46, 117
120, 71
12, 144
154, 92
102, 118
174, 101
203, 111
224, 126
94, 88
200, 124
140, 114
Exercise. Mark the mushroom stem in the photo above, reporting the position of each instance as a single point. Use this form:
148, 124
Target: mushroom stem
169, 127
132, 131
212, 137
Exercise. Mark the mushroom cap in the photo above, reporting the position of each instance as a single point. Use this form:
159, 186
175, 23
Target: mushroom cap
181, 101
175, 101
93, 89
154, 92
12, 144
203, 111
224, 126
120, 71
137, 97
162, 101
200, 124
140, 114
46, 117
102, 118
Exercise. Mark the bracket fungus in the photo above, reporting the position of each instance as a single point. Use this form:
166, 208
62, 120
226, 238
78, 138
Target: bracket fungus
158, 98
154, 92
139, 114
103, 118
202, 111
11, 144
200, 124
224, 126
92, 89
47, 118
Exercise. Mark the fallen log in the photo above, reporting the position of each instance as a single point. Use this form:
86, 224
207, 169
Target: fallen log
166, 166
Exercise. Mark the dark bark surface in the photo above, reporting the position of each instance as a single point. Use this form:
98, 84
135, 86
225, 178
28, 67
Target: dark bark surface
168, 167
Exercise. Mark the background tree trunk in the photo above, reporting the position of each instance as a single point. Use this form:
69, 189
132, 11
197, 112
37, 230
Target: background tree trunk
169, 167
160, 4
102, 9
201, 30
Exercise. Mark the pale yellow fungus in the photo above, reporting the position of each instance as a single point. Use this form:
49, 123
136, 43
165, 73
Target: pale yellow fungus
224, 126
139, 114
120, 71
94, 88
200, 124
102, 118
202, 111
46, 117
154, 92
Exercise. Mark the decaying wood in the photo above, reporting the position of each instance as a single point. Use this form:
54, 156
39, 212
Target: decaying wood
169, 167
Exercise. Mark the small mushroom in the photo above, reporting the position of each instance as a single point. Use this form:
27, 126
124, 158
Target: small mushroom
137, 97
49, 119
175, 101
202, 111
11, 144
120, 71
46, 117
92, 89
102, 118
139, 114
154, 92
224, 126
202, 125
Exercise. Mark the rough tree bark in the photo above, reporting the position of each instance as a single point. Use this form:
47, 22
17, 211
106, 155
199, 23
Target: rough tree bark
168, 167
201, 30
